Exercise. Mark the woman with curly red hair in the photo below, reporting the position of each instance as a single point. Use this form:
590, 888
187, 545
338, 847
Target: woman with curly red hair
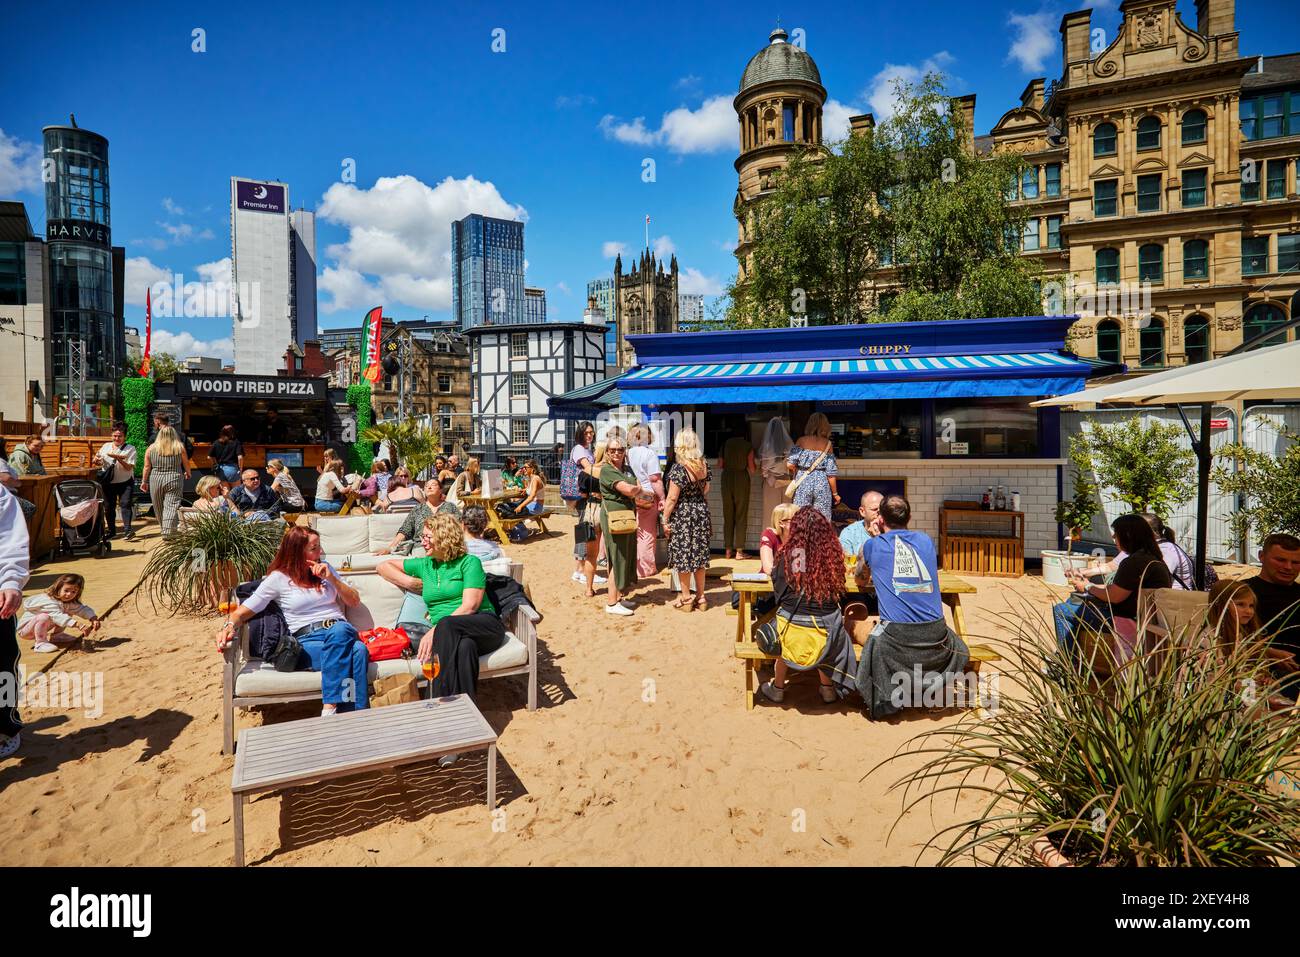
808, 630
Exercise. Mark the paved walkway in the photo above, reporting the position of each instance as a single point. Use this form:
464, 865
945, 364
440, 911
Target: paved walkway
108, 579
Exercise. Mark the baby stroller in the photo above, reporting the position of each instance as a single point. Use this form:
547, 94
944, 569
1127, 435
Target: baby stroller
82, 524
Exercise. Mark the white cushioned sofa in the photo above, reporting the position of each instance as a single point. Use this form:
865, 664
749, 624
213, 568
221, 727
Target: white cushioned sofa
358, 537
250, 682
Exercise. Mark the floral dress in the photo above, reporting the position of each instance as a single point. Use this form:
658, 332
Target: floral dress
688, 546
815, 489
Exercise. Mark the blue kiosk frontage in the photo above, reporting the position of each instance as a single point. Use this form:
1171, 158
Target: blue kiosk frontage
937, 410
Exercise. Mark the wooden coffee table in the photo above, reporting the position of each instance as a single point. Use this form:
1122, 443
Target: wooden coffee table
279, 756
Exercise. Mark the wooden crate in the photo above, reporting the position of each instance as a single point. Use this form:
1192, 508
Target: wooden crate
980, 555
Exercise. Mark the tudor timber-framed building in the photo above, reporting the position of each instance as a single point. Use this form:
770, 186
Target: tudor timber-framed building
1163, 164
516, 368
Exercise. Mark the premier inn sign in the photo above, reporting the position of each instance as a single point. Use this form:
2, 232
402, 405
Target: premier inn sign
192, 385
78, 231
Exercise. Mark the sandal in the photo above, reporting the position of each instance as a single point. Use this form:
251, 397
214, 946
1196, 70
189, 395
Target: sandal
685, 604
701, 603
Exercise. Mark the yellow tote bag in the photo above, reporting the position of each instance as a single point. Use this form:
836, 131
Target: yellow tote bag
802, 644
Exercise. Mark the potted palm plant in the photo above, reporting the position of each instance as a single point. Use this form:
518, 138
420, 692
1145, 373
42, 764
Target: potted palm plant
1075, 513
1170, 759
193, 571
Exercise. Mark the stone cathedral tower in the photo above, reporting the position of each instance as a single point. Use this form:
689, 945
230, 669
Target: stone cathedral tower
645, 300
779, 110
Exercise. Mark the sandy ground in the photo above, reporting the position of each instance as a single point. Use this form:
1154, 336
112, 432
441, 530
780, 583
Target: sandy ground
640, 753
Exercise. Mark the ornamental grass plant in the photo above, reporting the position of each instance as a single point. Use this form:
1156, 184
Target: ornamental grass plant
191, 572
1159, 760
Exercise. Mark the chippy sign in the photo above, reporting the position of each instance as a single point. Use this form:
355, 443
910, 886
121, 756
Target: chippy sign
895, 350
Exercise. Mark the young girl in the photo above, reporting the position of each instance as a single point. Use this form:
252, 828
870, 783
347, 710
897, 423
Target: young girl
1234, 617
48, 617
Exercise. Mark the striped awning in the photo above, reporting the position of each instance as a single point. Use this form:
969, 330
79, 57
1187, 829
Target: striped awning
901, 377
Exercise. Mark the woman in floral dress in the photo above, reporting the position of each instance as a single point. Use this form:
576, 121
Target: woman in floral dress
817, 488
686, 518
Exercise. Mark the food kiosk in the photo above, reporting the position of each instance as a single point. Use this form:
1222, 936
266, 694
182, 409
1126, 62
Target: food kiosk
309, 417
938, 411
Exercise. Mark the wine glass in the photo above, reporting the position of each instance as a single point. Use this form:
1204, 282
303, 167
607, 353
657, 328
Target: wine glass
432, 668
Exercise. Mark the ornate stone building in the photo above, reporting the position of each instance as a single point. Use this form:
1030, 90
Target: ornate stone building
779, 108
1161, 185
645, 301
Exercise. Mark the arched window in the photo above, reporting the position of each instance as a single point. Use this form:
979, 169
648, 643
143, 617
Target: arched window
1108, 342
1259, 320
1193, 127
1151, 263
1196, 259
1107, 266
1196, 337
1103, 140
1151, 343
1148, 133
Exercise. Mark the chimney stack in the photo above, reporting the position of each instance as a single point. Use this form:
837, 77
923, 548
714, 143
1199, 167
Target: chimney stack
1215, 17
1076, 39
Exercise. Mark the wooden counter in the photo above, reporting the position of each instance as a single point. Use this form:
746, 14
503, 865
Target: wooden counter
255, 454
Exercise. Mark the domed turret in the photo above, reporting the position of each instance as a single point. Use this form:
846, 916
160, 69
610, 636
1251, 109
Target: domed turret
779, 60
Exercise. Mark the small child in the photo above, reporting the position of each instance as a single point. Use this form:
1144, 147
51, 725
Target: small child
51, 617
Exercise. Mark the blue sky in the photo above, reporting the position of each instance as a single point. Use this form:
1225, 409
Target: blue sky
555, 129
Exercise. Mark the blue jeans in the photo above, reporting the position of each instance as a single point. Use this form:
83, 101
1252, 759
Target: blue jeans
328, 505
534, 508
1068, 616
228, 472
343, 663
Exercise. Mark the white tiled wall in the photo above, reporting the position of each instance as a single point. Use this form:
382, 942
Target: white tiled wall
929, 482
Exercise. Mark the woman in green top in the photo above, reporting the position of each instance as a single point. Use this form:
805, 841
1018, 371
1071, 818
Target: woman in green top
453, 585
618, 486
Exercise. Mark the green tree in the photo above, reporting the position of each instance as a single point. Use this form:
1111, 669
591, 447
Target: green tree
163, 367
412, 444
1145, 463
1267, 486
909, 193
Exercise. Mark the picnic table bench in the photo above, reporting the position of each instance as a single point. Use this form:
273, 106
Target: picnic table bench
277, 756
495, 521
951, 588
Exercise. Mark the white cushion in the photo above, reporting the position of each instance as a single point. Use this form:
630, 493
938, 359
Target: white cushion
499, 566
258, 678
380, 602
344, 534
383, 528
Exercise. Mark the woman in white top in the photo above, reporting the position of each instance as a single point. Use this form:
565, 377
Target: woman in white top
282, 484
14, 568
330, 487
312, 598
468, 482
120, 487
644, 462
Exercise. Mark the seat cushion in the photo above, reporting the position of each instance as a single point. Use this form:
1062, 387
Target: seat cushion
260, 679
382, 528
344, 534
380, 602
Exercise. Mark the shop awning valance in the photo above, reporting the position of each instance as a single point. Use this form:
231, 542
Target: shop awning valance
901, 377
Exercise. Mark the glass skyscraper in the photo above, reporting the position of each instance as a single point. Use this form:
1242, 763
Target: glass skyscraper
534, 305
487, 271
79, 238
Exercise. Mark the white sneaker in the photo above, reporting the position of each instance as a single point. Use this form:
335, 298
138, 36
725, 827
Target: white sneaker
579, 577
447, 760
600, 580
617, 609
45, 647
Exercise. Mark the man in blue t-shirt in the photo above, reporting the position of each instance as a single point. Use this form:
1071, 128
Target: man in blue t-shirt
904, 567
856, 535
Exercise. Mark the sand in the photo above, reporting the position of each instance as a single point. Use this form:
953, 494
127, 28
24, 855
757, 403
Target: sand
641, 752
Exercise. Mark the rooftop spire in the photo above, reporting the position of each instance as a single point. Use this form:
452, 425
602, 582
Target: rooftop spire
778, 35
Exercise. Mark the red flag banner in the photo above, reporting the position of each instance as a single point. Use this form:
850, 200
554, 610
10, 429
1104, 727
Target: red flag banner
374, 329
148, 331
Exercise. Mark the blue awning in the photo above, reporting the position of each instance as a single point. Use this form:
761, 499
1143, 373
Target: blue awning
901, 377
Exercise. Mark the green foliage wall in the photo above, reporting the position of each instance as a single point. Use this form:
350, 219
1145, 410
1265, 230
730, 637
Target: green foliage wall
361, 452
137, 397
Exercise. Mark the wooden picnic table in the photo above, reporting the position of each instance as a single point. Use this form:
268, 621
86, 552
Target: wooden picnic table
951, 588
501, 525
276, 756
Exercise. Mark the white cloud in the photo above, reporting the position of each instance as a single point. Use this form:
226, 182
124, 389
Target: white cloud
140, 275
182, 233
633, 133
398, 248
729, 245
664, 247
880, 91
1033, 40
169, 204
688, 82
577, 100
611, 249
708, 129
20, 165
182, 345
563, 287
217, 271
691, 280
835, 120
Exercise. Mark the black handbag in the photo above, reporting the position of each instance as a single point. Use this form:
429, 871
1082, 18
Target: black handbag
288, 653
105, 476
584, 532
